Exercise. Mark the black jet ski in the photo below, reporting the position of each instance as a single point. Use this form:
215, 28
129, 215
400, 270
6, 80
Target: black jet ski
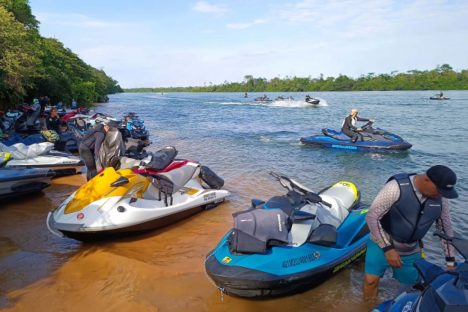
443, 290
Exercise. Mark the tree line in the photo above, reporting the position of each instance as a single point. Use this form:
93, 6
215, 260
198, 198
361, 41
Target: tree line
32, 66
443, 77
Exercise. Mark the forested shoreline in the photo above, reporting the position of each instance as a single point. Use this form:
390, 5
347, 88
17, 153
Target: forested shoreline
32, 66
441, 78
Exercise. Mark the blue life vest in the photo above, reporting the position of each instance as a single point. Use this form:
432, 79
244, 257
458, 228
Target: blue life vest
408, 220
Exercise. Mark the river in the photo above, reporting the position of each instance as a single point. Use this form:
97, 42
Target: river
242, 141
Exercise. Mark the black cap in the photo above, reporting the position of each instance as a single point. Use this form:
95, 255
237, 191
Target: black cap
444, 179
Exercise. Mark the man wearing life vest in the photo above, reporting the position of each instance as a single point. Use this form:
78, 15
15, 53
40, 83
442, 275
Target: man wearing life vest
398, 219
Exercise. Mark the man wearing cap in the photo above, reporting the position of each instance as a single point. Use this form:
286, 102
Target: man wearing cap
398, 219
349, 125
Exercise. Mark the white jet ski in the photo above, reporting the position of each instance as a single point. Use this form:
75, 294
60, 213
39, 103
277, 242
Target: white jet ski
122, 202
41, 155
15, 182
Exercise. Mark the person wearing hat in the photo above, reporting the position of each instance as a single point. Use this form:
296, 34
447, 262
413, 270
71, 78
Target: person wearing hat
349, 125
398, 219
90, 146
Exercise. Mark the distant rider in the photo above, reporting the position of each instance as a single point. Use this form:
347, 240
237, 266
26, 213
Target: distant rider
398, 219
349, 125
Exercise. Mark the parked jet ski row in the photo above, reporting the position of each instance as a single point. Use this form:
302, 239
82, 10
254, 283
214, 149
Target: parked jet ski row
23, 126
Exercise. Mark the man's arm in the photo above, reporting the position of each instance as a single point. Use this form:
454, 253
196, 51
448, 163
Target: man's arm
382, 203
362, 119
444, 224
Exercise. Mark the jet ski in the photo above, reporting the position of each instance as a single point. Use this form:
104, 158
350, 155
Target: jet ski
15, 182
374, 139
439, 98
42, 155
290, 243
263, 99
125, 201
312, 100
443, 290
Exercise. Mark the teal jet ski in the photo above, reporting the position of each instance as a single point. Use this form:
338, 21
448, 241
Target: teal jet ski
290, 243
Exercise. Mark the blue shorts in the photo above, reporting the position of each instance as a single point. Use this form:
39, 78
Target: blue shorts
376, 264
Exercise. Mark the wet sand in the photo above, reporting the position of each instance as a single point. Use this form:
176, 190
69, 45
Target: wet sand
159, 271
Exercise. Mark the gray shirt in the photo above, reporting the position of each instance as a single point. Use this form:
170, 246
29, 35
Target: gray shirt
382, 203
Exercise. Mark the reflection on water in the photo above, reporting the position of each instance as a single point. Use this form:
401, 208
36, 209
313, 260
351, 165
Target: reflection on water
164, 270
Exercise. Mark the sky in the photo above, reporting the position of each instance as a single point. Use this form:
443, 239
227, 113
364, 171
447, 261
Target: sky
151, 43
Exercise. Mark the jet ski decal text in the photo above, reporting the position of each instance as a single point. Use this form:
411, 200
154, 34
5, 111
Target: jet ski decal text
208, 197
354, 257
301, 260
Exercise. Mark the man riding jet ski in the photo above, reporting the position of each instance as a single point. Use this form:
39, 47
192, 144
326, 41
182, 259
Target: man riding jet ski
14, 182
372, 139
116, 203
311, 100
442, 290
290, 243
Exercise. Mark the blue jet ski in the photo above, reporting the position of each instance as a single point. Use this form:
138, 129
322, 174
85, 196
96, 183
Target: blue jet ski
290, 243
373, 139
443, 290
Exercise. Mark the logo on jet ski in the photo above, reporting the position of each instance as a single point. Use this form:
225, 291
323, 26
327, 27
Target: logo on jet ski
209, 197
354, 257
226, 260
301, 260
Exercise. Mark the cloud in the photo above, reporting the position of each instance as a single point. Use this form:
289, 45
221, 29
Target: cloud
205, 7
247, 25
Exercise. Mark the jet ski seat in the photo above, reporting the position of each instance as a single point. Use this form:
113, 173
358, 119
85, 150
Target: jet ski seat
170, 182
326, 218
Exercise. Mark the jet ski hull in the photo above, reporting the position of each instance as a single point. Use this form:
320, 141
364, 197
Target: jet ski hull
14, 182
439, 98
61, 163
325, 141
247, 282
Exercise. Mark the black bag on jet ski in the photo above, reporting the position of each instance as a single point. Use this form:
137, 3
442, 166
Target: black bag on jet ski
257, 229
212, 179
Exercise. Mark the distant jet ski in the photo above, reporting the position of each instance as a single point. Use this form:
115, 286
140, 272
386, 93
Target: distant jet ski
374, 139
312, 100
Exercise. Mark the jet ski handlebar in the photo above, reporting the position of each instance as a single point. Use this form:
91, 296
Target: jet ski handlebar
461, 245
292, 185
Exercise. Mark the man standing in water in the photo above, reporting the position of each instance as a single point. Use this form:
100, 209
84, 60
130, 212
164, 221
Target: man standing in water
398, 219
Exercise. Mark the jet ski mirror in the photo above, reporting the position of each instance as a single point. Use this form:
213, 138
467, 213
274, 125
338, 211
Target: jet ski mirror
256, 202
119, 182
